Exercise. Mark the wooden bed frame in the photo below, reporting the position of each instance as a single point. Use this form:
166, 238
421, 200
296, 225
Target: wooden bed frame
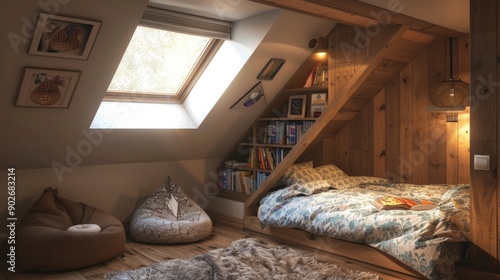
345, 250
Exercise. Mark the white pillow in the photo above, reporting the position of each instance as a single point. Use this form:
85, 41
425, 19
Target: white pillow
85, 228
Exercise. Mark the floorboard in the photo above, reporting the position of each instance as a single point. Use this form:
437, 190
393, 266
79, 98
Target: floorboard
138, 255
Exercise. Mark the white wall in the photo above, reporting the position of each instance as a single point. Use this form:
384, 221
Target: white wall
117, 189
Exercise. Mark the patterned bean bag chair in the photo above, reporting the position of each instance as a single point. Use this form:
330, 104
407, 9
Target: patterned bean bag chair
59, 234
169, 216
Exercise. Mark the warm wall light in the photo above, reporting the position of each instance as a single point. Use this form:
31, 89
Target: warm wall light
321, 45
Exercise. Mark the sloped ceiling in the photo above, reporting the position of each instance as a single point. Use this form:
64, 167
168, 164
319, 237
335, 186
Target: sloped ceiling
39, 137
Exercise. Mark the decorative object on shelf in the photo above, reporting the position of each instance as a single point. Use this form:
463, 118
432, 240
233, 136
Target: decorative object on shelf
252, 97
318, 104
65, 37
297, 106
47, 88
271, 69
452, 94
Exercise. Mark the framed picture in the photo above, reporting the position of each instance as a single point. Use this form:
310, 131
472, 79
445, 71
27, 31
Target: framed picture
271, 68
59, 36
297, 106
47, 88
318, 104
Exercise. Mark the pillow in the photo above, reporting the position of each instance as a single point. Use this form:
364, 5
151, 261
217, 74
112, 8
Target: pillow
296, 167
302, 176
330, 171
354, 181
85, 228
311, 187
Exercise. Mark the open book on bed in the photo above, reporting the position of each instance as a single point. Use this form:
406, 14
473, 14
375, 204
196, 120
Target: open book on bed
396, 202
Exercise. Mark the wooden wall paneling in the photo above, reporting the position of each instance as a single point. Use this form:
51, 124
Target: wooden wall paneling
451, 152
436, 148
420, 136
379, 152
437, 72
392, 129
332, 65
344, 59
367, 140
405, 168
464, 147
484, 132
464, 117
355, 145
341, 149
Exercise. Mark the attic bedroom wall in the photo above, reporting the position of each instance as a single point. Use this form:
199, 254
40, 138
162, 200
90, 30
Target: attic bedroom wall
395, 136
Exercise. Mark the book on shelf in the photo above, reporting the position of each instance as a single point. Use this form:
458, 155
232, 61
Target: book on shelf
404, 203
318, 77
236, 180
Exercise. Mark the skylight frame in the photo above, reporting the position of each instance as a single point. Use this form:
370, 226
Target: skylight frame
160, 19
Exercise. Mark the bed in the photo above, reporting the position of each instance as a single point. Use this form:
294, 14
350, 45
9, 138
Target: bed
327, 202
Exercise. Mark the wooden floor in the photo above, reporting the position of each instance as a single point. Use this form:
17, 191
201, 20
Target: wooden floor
137, 255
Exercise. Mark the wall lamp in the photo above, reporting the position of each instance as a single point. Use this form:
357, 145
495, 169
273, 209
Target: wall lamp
321, 45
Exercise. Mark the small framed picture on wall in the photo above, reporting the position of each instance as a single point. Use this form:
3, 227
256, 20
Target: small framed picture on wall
64, 37
297, 106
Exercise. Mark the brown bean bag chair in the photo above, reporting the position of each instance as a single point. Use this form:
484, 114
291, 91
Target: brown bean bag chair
169, 216
44, 243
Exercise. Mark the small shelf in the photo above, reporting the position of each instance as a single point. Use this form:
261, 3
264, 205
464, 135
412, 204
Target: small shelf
306, 90
287, 119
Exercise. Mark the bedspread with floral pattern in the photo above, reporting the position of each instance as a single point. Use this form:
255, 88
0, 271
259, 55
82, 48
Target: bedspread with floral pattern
430, 242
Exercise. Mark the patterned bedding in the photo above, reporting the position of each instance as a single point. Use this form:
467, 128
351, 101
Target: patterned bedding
338, 206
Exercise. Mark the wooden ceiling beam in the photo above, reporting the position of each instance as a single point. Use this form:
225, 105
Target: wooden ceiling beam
361, 75
358, 13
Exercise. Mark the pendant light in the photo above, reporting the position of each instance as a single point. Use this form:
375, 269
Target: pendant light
452, 94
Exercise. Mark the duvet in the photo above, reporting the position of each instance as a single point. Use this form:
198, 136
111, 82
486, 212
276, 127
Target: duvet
430, 241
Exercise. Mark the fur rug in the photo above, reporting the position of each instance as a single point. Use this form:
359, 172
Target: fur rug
246, 258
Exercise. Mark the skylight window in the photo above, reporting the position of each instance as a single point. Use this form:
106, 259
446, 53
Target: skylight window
164, 58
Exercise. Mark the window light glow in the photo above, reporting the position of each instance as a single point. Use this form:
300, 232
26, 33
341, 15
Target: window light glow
157, 62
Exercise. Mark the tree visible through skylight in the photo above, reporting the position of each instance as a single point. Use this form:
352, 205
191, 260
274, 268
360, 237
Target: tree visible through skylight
157, 62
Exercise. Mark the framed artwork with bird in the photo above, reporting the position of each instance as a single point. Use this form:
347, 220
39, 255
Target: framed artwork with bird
64, 37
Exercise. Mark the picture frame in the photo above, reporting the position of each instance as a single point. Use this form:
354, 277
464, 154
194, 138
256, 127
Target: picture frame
317, 104
64, 37
297, 106
271, 68
47, 88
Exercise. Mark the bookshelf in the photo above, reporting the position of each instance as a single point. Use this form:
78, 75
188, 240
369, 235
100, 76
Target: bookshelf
272, 136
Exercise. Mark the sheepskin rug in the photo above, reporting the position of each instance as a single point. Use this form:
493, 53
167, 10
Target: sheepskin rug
246, 258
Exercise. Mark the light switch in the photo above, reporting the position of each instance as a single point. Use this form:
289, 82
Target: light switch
481, 162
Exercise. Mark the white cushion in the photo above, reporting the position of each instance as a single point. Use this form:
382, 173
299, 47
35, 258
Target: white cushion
85, 228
